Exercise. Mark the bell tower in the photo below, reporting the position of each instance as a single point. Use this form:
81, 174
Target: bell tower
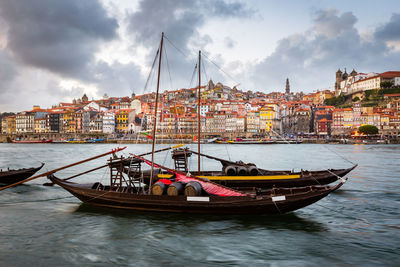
287, 91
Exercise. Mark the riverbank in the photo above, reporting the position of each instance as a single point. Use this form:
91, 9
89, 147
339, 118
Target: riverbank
79, 138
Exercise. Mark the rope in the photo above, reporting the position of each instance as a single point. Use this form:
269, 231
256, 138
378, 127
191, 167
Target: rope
169, 72
179, 50
33, 201
343, 213
219, 68
340, 156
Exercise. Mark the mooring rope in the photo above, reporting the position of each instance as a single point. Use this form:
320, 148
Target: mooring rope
343, 213
33, 201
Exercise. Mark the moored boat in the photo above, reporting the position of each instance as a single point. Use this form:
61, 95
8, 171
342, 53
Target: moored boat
32, 141
14, 176
127, 193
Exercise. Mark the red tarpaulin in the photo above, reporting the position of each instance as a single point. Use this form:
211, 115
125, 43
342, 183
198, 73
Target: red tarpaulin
209, 187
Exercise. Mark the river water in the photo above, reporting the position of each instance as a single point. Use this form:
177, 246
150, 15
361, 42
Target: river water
357, 225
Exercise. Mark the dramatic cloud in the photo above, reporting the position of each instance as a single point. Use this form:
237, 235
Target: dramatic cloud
391, 30
7, 69
331, 25
312, 57
60, 36
180, 21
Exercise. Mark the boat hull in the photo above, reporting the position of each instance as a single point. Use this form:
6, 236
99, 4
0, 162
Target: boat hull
274, 202
32, 142
14, 176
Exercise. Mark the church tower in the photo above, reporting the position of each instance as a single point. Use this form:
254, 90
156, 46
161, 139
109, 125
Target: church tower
339, 78
85, 98
287, 86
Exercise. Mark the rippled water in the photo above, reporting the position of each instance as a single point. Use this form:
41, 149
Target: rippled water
359, 224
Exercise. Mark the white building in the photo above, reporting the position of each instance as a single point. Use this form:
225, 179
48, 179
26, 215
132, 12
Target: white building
109, 122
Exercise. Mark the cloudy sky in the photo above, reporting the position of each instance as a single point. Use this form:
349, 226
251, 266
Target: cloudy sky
56, 50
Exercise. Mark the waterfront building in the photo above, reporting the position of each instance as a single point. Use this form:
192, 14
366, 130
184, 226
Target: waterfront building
109, 122
348, 118
11, 125
356, 115
324, 127
4, 125
68, 120
40, 125
302, 122
54, 121
122, 120
337, 122
24, 122
79, 120
267, 115
96, 123
253, 122
235, 123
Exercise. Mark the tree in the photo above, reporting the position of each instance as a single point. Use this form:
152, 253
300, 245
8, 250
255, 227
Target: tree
386, 84
368, 129
356, 99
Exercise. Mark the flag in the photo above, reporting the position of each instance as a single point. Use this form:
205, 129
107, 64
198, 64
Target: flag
147, 135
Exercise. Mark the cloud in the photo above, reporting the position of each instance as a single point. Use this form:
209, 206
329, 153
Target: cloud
118, 79
330, 24
310, 59
8, 70
229, 42
391, 30
59, 36
179, 19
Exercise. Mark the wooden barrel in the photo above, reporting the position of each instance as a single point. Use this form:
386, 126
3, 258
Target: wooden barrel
193, 188
230, 170
97, 186
175, 189
242, 171
253, 170
158, 189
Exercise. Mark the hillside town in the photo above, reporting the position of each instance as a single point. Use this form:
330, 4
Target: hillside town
358, 99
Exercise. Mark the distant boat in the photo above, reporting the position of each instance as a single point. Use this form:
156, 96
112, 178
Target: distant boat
32, 141
90, 141
13, 176
95, 140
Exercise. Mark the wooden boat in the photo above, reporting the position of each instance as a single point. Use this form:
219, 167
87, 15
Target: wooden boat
126, 193
32, 141
13, 176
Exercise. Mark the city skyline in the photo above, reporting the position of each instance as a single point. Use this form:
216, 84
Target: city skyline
56, 51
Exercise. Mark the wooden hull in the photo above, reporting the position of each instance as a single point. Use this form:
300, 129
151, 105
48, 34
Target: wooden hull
270, 202
270, 179
14, 176
32, 142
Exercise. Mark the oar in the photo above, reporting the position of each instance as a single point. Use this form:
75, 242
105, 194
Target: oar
61, 168
95, 169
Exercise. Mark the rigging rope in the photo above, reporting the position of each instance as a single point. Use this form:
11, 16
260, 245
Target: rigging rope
227, 74
169, 72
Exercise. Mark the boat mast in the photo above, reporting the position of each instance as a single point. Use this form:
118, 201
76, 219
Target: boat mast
198, 117
155, 115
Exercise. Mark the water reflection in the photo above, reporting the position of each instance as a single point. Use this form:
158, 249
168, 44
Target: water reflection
290, 221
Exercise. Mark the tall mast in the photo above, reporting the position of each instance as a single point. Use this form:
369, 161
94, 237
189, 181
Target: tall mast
198, 116
155, 115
